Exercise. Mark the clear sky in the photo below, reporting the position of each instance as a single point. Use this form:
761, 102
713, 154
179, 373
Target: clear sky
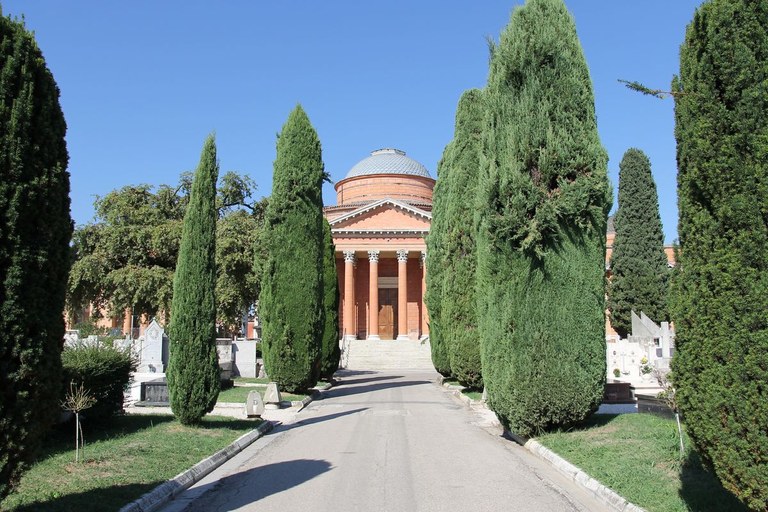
143, 82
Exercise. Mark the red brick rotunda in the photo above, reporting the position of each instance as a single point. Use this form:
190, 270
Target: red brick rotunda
383, 213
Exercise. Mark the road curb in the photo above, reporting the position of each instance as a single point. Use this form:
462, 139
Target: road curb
165, 492
602, 493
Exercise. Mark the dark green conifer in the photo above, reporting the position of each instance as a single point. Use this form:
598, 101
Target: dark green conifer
193, 367
720, 293
331, 351
35, 229
291, 299
543, 200
436, 262
638, 263
458, 313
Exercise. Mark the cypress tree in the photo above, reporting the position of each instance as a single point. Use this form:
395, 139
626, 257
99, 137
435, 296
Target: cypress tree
331, 351
291, 299
638, 262
543, 201
35, 229
436, 262
720, 293
458, 313
193, 366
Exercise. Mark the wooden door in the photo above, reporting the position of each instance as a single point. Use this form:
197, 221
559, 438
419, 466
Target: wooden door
387, 313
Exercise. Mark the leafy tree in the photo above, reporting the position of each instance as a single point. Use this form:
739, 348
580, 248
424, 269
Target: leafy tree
543, 199
331, 351
720, 294
437, 263
125, 259
459, 316
193, 366
638, 262
35, 229
291, 298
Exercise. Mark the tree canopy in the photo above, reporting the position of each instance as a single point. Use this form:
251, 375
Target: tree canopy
638, 262
35, 230
125, 258
720, 291
291, 301
543, 199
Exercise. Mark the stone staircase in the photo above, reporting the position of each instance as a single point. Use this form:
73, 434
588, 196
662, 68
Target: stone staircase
386, 355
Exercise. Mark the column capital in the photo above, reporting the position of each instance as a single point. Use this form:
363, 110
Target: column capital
373, 256
402, 255
423, 259
349, 257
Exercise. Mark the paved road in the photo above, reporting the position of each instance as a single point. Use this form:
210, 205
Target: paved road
385, 441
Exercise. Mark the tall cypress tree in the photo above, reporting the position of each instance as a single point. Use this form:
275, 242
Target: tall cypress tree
543, 201
35, 229
331, 351
436, 262
193, 367
291, 299
720, 293
638, 262
458, 313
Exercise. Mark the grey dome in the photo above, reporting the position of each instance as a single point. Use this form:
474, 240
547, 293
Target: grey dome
388, 161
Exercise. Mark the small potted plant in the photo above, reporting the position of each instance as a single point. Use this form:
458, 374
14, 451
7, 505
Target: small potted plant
616, 373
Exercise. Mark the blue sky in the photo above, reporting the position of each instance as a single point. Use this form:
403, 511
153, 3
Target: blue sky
143, 82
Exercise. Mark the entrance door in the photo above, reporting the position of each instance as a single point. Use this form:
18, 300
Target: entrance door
387, 313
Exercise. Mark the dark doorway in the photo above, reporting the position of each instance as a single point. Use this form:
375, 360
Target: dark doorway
387, 313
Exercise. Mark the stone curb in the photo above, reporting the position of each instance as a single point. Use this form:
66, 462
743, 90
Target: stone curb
316, 391
604, 494
165, 492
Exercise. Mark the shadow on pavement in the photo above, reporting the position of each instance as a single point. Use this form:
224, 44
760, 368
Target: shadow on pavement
316, 419
352, 389
348, 381
250, 486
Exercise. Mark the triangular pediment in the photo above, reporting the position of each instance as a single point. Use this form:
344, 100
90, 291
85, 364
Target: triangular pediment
384, 215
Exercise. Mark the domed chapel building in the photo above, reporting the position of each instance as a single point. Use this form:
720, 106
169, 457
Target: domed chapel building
379, 225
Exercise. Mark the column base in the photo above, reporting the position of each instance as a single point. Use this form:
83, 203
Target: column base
403, 337
373, 337
349, 337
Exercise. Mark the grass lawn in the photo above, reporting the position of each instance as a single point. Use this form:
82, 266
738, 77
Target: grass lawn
250, 380
239, 394
474, 395
122, 460
637, 455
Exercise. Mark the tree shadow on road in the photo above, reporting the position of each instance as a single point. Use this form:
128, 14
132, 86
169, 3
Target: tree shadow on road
317, 419
252, 485
352, 389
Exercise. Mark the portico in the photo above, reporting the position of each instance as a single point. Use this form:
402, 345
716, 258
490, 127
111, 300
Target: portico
378, 227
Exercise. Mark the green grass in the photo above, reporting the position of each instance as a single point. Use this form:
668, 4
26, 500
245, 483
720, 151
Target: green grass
250, 380
638, 456
122, 460
474, 395
239, 394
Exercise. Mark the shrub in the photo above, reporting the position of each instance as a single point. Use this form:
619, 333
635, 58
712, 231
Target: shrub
103, 371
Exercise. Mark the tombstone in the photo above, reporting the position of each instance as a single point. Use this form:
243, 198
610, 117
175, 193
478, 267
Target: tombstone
254, 406
224, 351
151, 353
272, 396
245, 363
71, 338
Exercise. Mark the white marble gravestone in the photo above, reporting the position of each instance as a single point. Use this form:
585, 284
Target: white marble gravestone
151, 354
